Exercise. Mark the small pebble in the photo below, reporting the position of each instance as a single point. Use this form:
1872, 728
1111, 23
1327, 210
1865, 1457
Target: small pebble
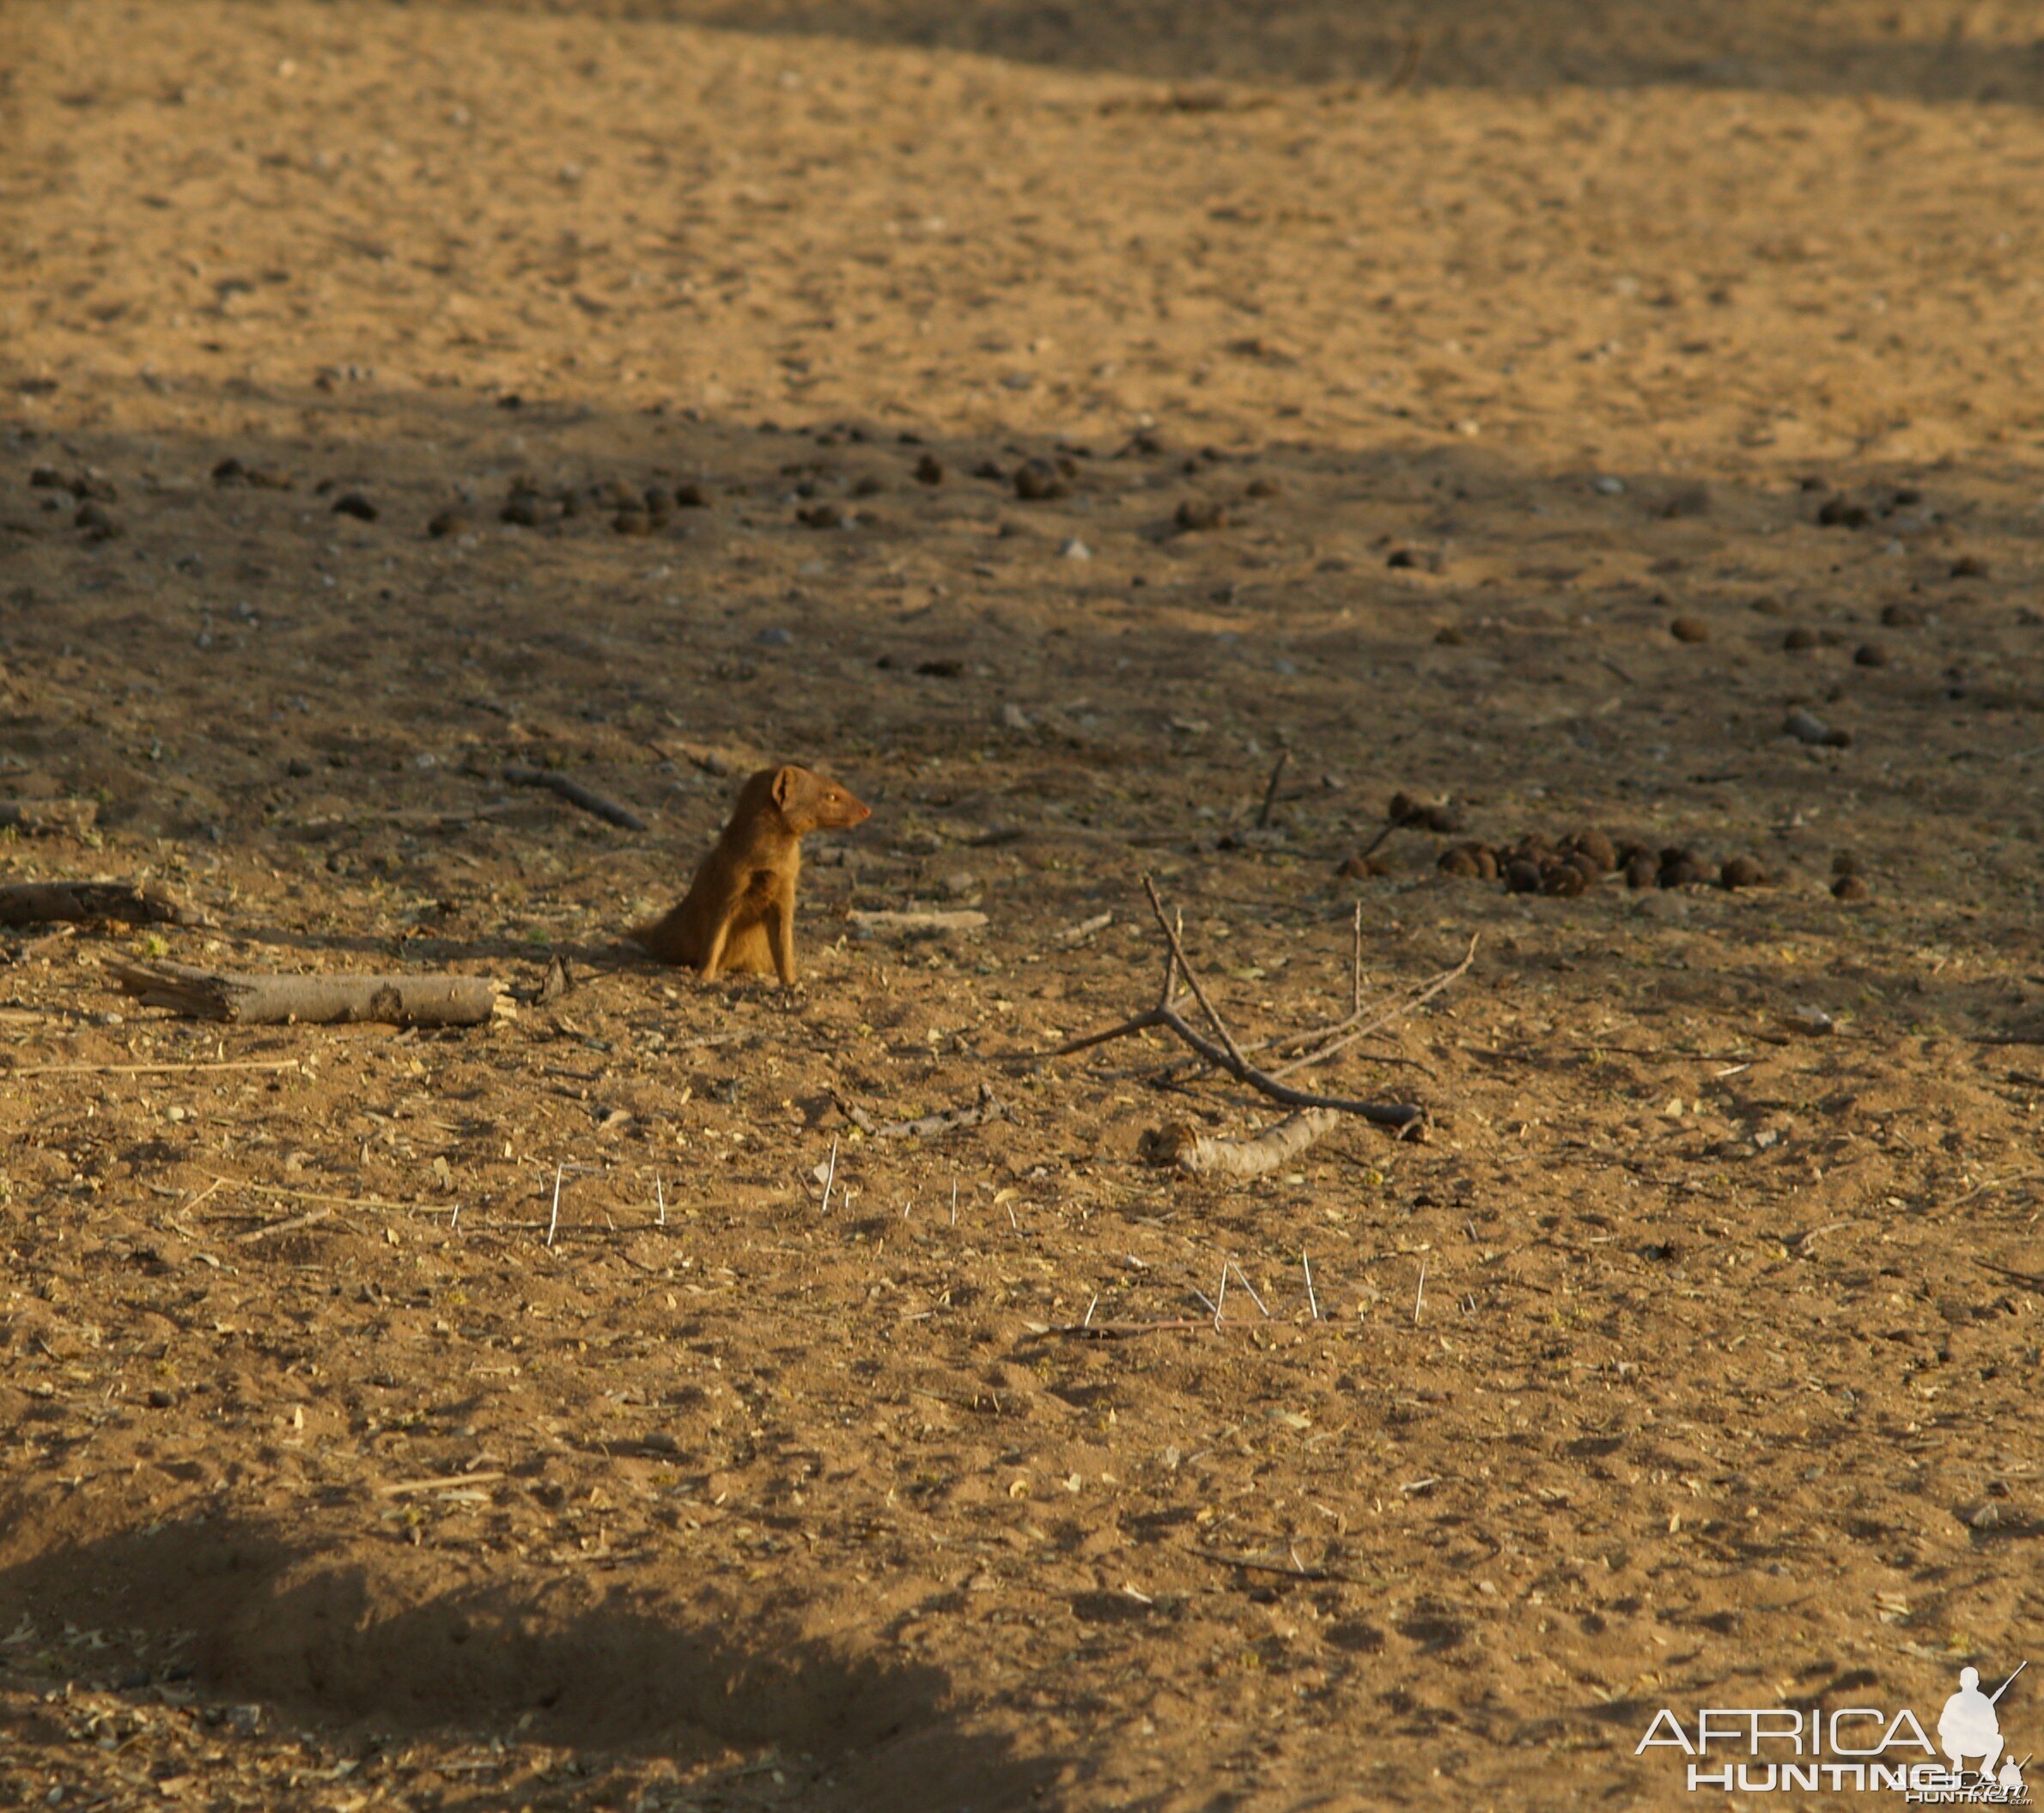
445, 523
1689, 630
1071, 548
1742, 871
1850, 889
822, 516
525, 509
1901, 616
94, 520
690, 496
1969, 566
1837, 512
1448, 636
1807, 727
633, 522
1799, 638
774, 637
1200, 513
353, 503
868, 485
1869, 654
930, 470
1768, 605
1611, 487
1264, 488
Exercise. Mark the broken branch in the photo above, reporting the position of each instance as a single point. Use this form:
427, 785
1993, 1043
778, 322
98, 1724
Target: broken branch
398, 1000
1226, 1055
576, 793
40, 902
1185, 1148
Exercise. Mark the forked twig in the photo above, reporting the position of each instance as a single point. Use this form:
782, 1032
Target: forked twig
1227, 1054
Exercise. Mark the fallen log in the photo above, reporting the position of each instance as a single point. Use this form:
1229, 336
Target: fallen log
265, 1000
41, 903
39, 818
1185, 1148
576, 793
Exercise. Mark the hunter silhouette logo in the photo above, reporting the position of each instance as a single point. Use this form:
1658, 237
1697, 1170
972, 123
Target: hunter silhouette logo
1797, 1749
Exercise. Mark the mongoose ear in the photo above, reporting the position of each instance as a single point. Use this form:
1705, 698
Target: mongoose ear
784, 785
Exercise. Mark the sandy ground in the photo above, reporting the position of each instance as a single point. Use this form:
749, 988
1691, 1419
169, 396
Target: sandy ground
1529, 416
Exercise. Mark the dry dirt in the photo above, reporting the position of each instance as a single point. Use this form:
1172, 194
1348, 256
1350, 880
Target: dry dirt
1691, 1359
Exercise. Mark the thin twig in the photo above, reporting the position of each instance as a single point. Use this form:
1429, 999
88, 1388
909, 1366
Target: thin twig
1122, 1330
291, 1223
404, 1488
1277, 773
1251, 1289
553, 1220
1359, 1025
830, 1177
314, 1196
290, 1063
1312, 1302
1294, 1571
1355, 968
1420, 1295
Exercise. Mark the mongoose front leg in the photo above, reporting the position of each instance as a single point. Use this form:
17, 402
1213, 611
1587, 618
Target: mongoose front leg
782, 915
715, 954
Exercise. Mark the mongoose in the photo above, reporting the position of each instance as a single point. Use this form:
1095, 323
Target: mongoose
740, 911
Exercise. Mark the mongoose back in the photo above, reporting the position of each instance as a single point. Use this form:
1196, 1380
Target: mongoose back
740, 911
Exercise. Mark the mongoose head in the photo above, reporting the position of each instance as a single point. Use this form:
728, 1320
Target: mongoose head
811, 802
